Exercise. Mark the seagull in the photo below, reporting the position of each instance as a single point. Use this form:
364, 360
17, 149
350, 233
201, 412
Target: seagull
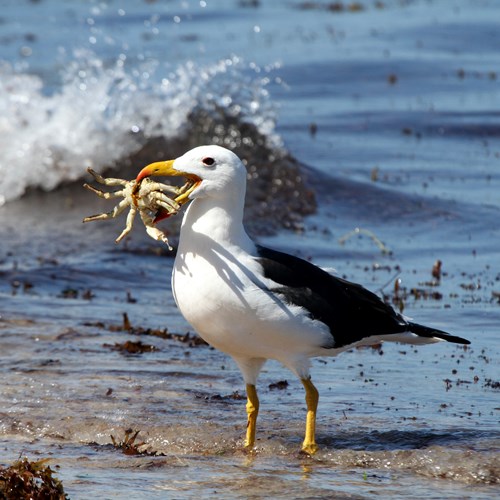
255, 303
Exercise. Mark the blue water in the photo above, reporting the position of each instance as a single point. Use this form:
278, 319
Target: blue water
393, 112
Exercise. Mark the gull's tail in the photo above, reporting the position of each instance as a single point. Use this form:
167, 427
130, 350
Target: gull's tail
433, 333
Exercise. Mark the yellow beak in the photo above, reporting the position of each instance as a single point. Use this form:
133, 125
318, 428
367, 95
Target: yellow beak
166, 168
158, 168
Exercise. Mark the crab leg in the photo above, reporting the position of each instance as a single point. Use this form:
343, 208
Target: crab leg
165, 202
158, 186
184, 187
129, 223
104, 194
153, 231
110, 181
109, 215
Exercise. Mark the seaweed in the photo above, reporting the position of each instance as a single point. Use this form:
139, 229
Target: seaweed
127, 445
26, 479
130, 347
191, 339
280, 385
493, 384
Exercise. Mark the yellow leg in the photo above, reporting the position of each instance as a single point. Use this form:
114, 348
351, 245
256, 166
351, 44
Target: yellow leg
309, 445
252, 412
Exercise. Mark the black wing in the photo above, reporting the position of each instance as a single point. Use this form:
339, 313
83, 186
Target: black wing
350, 311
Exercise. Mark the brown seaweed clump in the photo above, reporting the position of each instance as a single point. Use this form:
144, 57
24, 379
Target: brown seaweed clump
127, 445
30, 480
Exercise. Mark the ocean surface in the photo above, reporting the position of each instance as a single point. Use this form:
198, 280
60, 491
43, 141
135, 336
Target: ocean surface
371, 135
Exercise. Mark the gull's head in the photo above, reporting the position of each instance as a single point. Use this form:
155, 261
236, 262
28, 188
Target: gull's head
211, 171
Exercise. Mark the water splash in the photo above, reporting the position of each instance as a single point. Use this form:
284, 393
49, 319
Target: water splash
103, 114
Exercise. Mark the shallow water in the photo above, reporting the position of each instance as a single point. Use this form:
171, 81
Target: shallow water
403, 100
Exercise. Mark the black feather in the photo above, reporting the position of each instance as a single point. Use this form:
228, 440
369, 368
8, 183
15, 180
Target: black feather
350, 311
425, 331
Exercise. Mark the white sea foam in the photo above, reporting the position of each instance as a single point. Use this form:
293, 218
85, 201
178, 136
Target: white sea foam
102, 114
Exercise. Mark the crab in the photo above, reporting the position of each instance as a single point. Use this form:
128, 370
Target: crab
147, 197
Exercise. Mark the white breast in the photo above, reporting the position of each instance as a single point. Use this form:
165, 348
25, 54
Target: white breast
219, 287
222, 296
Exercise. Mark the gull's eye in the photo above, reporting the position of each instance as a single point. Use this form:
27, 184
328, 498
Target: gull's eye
207, 161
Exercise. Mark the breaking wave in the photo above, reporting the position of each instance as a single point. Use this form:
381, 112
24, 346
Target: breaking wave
101, 115
118, 117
